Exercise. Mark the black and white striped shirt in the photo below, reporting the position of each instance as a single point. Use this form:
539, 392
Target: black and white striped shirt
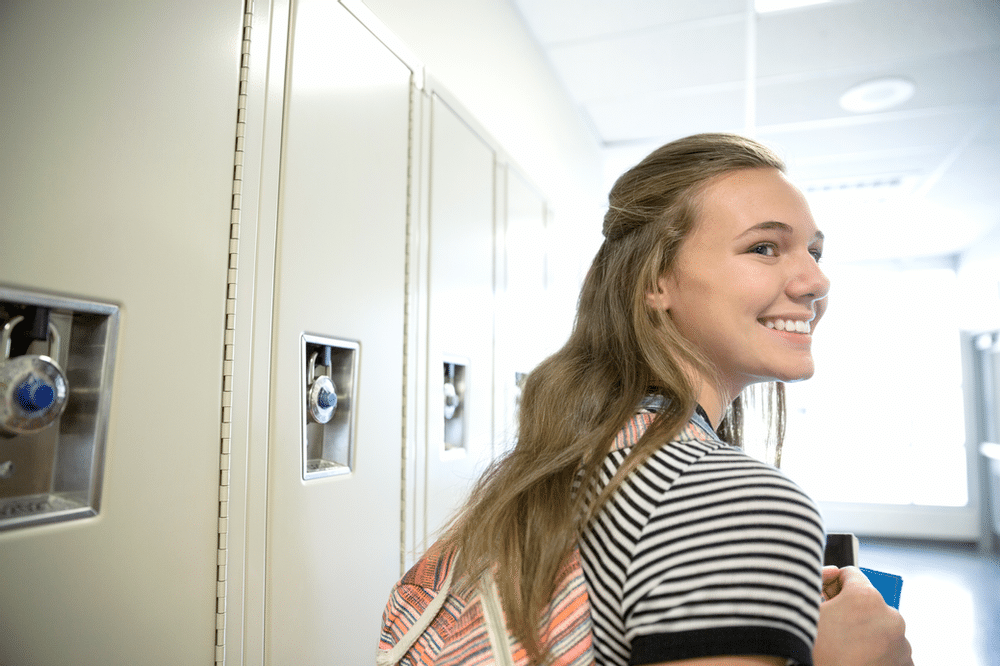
702, 551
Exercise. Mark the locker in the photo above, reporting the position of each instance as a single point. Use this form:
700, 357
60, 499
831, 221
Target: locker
460, 320
118, 153
523, 321
333, 541
251, 512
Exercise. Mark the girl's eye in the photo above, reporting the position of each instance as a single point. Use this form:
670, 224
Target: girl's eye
765, 249
817, 254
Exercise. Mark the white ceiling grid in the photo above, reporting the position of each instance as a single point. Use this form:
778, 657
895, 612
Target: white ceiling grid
648, 71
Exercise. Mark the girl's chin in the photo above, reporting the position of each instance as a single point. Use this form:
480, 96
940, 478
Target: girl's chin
789, 375
796, 376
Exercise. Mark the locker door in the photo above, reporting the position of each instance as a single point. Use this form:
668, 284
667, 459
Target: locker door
116, 178
333, 542
460, 312
522, 339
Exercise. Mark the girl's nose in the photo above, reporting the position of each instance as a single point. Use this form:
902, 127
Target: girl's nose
810, 283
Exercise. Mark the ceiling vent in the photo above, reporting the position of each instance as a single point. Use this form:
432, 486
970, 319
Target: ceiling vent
869, 187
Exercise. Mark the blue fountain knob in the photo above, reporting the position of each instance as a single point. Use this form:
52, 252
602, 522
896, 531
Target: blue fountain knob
34, 395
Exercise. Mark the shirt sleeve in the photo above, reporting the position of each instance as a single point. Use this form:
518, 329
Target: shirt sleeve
728, 563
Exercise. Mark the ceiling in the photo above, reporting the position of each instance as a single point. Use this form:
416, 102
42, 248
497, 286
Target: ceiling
921, 179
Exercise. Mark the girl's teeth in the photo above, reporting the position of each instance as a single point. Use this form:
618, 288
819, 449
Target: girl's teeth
788, 325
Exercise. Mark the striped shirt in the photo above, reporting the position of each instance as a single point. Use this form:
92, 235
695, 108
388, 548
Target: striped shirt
702, 551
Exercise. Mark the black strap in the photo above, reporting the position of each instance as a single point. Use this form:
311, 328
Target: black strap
698, 408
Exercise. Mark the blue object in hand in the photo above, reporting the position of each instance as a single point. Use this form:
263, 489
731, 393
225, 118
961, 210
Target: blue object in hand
888, 585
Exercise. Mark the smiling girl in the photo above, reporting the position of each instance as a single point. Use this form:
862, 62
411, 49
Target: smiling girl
629, 442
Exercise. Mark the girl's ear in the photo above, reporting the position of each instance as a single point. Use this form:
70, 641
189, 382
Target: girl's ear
659, 299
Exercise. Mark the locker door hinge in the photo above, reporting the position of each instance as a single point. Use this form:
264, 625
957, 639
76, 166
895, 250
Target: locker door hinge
409, 315
227, 365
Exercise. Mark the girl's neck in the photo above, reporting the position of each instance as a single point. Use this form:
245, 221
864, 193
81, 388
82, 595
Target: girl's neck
713, 403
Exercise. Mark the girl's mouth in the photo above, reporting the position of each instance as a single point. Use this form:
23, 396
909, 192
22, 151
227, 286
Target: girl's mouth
788, 325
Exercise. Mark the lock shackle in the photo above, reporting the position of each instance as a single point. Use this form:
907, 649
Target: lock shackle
312, 368
54, 340
8, 329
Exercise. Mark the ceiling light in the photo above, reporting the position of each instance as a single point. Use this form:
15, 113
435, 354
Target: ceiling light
877, 94
765, 6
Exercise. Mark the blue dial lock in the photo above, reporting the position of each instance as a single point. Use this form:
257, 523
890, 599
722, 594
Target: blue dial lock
327, 399
34, 395
33, 389
321, 401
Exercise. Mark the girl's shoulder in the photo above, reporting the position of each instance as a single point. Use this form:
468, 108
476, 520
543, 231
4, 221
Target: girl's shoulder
696, 455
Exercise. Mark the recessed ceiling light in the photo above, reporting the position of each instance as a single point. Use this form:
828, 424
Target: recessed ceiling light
877, 94
765, 6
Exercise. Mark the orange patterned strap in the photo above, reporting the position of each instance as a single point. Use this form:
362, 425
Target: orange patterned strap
431, 619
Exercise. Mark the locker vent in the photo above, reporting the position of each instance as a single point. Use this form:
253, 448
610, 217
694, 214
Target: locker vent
227, 370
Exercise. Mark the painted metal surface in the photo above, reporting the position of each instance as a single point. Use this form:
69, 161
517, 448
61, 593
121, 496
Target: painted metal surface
460, 296
118, 153
333, 543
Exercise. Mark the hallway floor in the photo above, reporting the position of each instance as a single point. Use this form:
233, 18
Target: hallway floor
950, 598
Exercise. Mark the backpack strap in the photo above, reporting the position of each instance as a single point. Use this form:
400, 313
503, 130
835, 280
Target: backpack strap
392, 656
496, 624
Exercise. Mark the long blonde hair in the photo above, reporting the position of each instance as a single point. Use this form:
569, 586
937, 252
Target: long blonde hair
524, 517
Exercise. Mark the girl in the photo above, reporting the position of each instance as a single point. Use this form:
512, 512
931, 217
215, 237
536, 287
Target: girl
629, 437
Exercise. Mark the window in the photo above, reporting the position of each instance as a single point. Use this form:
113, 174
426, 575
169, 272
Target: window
886, 402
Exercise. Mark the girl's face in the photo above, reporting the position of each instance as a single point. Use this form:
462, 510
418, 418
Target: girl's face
746, 287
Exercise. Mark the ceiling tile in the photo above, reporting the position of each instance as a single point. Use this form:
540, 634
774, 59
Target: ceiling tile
969, 181
841, 35
661, 59
884, 132
965, 79
558, 21
663, 117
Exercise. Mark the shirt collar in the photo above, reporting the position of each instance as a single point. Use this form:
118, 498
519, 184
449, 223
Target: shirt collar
655, 403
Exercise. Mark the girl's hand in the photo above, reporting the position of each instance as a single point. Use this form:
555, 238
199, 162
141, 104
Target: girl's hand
856, 626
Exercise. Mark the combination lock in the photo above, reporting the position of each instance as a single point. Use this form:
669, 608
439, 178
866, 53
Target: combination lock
33, 389
322, 393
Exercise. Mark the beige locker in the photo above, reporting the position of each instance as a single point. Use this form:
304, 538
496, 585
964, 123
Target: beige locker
333, 541
460, 320
221, 537
523, 321
116, 177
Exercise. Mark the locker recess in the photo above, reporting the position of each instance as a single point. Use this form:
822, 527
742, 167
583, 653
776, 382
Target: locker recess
330, 372
56, 361
454, 402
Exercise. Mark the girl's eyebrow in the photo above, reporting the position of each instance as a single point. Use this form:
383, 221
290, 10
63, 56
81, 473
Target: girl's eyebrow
780, 226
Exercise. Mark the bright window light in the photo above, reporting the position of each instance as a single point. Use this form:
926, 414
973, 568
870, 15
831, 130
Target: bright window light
886, 401
765, 6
